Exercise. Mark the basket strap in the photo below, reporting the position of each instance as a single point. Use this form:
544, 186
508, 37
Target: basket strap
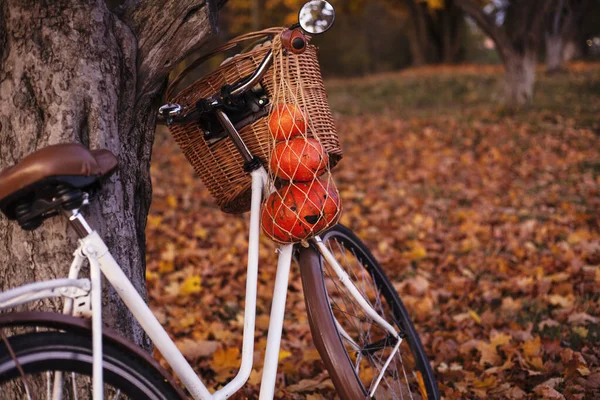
224, 47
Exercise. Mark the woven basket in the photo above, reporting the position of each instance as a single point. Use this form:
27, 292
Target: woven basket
219, 165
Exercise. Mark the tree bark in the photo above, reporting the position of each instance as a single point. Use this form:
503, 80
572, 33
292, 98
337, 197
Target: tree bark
519, 78
554, 52
418, 37
517, 41
73, 71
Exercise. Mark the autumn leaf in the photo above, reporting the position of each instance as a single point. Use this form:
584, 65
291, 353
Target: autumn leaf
226, 358
191, 285
283, 354
484, 221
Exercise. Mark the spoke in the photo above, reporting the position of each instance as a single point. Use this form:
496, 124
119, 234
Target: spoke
74, 385
48, 386
14, 357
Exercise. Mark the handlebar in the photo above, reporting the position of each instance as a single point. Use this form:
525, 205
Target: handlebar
293, 40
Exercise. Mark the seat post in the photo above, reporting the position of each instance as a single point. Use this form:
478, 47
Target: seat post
78, 222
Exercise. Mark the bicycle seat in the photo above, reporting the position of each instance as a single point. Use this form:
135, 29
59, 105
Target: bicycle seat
63, 165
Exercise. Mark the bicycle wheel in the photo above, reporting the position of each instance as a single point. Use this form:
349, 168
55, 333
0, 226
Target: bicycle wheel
353, 347
41, 354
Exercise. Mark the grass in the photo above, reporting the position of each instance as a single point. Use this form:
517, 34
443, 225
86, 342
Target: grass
471, 92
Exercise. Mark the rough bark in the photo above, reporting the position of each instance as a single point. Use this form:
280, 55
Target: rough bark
74, 71
519, 78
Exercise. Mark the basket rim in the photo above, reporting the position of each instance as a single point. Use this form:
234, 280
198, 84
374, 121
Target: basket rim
230, 44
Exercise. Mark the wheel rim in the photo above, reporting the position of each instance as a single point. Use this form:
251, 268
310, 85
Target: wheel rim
44, 355
368, 345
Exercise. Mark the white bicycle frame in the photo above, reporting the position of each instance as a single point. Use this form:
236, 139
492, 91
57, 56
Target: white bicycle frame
94, 249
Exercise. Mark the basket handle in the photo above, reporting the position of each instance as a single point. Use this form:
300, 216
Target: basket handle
224, 47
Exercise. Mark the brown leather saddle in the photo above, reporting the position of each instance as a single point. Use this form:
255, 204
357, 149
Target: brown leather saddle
51, 178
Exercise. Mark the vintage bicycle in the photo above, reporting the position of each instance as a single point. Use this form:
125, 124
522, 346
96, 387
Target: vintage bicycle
356, 317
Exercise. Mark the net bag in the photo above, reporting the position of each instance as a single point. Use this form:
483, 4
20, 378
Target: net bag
218, 163
303, 200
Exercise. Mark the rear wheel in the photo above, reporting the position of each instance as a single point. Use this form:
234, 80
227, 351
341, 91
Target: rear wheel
30, 361
353, 347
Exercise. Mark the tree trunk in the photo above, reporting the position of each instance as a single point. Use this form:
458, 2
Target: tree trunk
73, 71
417, 52
571, 50
519, 77
554, 52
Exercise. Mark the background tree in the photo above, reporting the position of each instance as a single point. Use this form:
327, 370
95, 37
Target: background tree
75, 71
516, 27
435, 30
563, 28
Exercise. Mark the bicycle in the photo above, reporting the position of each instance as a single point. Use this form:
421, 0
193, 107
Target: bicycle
356, 317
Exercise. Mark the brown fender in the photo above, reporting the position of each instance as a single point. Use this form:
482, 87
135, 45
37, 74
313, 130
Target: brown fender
84, 326
323, 329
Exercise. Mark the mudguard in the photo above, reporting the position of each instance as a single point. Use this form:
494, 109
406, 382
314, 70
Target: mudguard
84, 326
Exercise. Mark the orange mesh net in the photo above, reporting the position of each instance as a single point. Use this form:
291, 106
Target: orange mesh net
306, 201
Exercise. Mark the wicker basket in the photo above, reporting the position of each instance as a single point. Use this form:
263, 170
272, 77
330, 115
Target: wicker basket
219, 165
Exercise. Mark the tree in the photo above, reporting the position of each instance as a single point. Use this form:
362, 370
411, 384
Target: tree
563, 31
75, 71
516, 28
435, 31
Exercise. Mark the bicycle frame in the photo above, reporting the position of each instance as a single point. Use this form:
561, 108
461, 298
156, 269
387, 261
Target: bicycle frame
95, 250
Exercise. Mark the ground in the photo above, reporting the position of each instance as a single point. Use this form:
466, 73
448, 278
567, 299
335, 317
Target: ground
486, 219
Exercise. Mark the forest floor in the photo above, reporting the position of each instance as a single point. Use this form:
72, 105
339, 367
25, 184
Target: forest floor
487, 220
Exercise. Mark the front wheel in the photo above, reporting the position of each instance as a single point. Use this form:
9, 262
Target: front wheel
29, 364
354, 348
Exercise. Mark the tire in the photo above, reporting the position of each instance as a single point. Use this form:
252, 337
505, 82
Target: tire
329, 306
39, 352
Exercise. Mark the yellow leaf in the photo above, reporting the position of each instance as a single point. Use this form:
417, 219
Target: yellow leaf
417, 252
488, 382
500, 339
226, 358
422, 387
151, 276
366, 374
165, 266
201, 233
172, 201
154, 221
581, 331
283, 354
578, 236
583, 370
489, 355
191, 285
532, 347
311, 355
475, 316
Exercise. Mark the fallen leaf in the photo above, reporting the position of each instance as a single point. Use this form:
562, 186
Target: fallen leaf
191, 285
195, 349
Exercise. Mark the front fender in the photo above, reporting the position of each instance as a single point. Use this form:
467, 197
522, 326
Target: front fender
84, 326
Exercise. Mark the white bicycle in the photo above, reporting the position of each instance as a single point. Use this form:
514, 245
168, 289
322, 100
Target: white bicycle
359, 325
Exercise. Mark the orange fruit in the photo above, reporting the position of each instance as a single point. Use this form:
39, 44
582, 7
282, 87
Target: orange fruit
298, 211
286, 121
299, 159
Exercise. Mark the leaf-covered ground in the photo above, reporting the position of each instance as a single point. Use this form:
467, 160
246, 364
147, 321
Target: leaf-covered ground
487, 221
